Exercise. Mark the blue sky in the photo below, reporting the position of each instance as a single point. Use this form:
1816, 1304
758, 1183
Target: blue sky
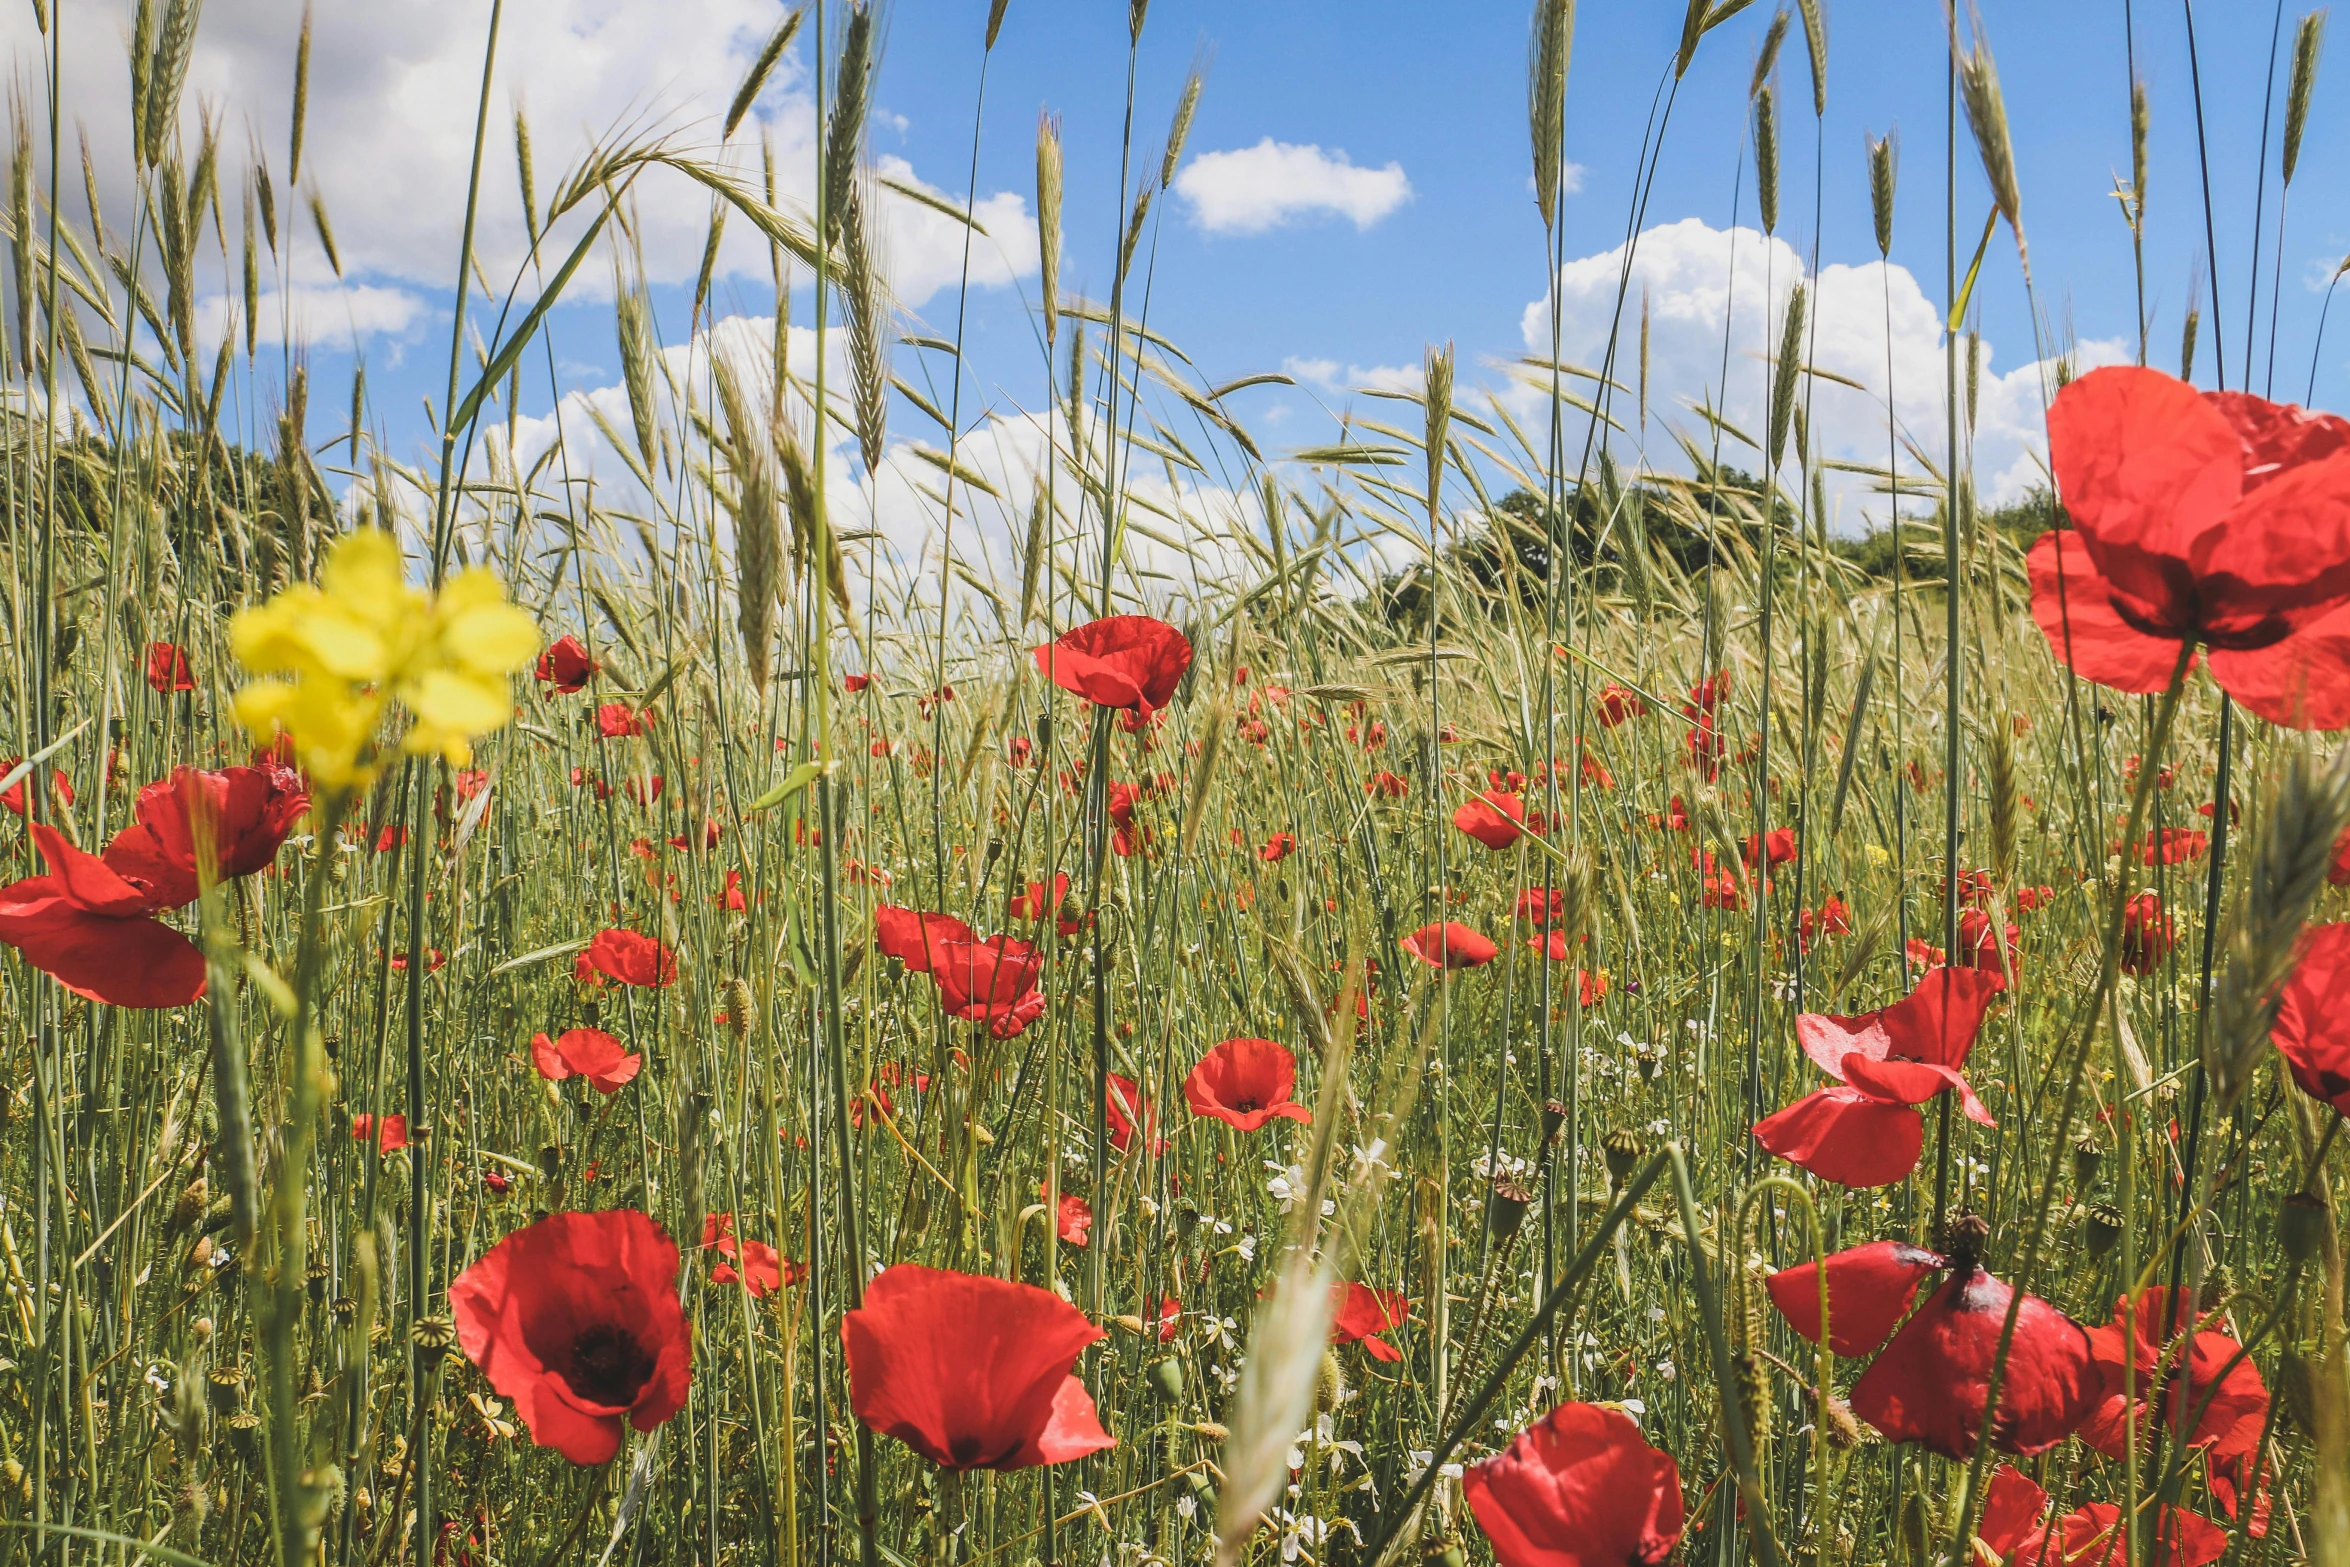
1371, 99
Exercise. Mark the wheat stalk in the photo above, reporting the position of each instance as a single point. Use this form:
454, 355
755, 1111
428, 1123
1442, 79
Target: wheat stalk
2309, 40
1548, 54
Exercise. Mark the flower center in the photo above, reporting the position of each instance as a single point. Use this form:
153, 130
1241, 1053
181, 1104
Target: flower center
607, 1365
1247, 1106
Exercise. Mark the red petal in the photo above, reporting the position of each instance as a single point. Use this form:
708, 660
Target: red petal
1578, 1488
2073, 607
139, 962
1913, 1083
2312, 1030
2302, 682
2012, 1506
2281, 558
2146, 468
2278, 436
1930, 1384
1074, 1430
1870, 1288
1842, 1135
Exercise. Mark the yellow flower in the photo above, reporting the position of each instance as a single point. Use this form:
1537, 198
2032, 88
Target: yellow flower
333, 657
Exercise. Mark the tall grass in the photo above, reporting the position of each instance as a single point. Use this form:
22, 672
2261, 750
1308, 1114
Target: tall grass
183, 1381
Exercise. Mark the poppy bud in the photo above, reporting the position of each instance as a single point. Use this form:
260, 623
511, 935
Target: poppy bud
2103, 1227
1916, 1528
1186, 1220
1844, 1432
194, 1198
1167, 1379
1329, 1383
1623, 1148
225, 1388
1509, 1203
550, 1160
995, 849
2104, 714
2300, 1226
1554, 1116
2087, 1156
1203, 1489
1443, 1550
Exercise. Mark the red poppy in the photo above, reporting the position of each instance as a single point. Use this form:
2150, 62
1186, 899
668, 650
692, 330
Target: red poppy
585, 1052
2013, 1510
906, 934
1277, 848
992, 982
2089, 1536
245, 811
576, 1320
1538, 908
1126, 837
1578, 1488
1386, 786
2147, 934
711, 835
1074, 1222
1130, 661
2170, 846
2229, 1411
763, 1268
2213, 519
1778, 844
1865, 1130
1833, 918
94, 931
1124, 1109
13, 796
168, 670
565, 665
1245, 1083
1449, 946
1552, 945
2312, 1029
1359, 1314
390, 1137
853, 684
630, 958
618, 721
1929, 1385
1034, 905
971, 1372
1494, 820
1618, 703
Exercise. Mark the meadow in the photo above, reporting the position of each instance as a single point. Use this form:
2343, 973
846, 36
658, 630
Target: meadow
1505, 995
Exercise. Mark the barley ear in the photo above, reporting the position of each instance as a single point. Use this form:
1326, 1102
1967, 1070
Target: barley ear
1766, 156
301, 99
1438, 432
1766, 58
1986, 114
2005, 801
2141, 121
758, 540
1644, 358
1048, 221
527, 175
995, 21
756, 78
2306, 814
1179, 131
1815, 44
326, 232
1783, 382
867, 302
1884, 174
1548, 53
2309, 41
844, 135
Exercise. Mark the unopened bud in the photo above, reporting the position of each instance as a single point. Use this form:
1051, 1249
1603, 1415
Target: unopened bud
1167, 1379
2301, 1225
1844, 1432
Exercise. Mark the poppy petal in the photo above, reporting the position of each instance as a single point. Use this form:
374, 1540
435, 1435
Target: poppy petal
2073, 606
1579, 1488
1930, 1384
139, 962
2302, 682
2146, 467
1841, 1134
1870, 1289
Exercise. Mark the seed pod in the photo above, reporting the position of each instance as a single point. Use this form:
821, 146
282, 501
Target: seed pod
2102, 1225
2087, 1156
1554, 1117
224, 1389
1507, 1207
1624, 1149
433, 1336
244, 1434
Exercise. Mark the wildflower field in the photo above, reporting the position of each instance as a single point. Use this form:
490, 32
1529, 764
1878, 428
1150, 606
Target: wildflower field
1508, 995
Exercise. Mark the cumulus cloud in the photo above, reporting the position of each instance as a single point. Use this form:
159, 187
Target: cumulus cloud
1331, 376
320, 316
1868, 322
388, 144
1252, 189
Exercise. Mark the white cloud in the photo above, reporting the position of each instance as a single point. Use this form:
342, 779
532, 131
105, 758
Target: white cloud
1252, 189
327, 317
1331, 376
394, 90
1695, 276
